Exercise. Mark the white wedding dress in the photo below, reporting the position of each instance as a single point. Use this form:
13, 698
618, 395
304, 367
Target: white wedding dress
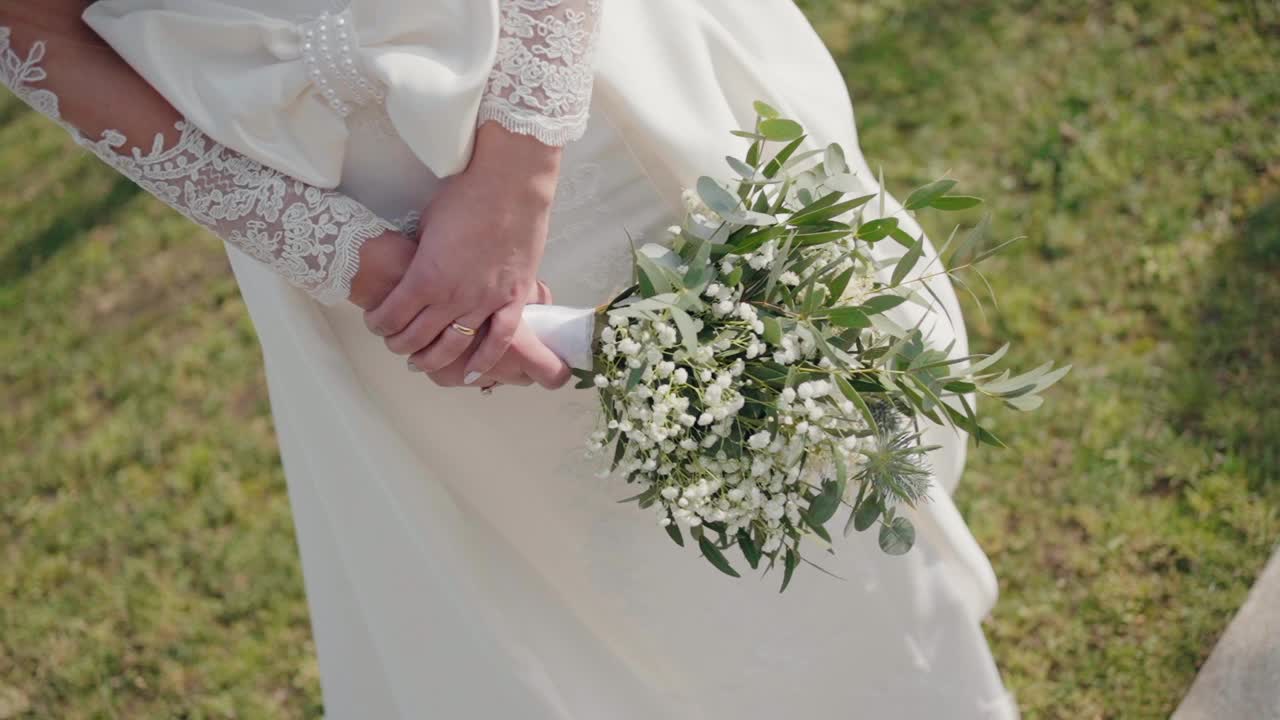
462, 559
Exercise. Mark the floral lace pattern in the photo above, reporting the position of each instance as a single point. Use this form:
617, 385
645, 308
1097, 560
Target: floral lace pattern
542, 80
308, 236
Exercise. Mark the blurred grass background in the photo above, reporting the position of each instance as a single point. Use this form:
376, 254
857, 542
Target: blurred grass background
147, 563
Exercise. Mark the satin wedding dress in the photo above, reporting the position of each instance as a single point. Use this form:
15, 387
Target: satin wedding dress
462, 559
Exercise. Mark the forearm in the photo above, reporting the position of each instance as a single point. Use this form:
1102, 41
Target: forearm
319, 240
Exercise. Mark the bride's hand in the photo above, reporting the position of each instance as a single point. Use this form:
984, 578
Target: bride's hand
528, 361
383, 260
483, 236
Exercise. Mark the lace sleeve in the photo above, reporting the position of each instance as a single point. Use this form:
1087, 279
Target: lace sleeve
541, 83
309, 236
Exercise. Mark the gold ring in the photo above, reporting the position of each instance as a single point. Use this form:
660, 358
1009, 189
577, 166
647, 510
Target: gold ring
463, 329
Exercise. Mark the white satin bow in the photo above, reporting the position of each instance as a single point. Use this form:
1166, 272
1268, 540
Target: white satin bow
249, 76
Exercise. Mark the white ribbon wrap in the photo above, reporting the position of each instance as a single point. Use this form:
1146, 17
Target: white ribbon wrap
568, 332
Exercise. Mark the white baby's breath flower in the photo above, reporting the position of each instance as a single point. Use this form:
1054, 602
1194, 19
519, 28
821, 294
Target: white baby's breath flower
759, 440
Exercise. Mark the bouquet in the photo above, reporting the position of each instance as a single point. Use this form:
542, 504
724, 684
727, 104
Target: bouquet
751, 383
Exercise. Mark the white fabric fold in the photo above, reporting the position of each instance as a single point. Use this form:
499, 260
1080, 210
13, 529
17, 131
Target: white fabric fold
242, 76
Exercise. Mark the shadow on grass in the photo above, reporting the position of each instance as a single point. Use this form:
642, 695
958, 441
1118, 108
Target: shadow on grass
1231, 393
72, 223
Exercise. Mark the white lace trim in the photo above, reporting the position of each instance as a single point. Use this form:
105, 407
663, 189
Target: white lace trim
542, 81
308, 236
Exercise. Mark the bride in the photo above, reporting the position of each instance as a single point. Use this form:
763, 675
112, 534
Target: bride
416, 166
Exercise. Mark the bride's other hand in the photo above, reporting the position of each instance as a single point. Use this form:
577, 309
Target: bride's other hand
483, 236
527, 362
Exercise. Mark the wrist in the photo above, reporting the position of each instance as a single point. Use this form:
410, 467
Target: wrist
383, 261
530, 168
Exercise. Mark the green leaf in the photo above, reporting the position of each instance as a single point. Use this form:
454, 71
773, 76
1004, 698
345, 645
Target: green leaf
844, 182
772, 167
923, 197
1026, 403
764, 109
866, 514
833, 162
781, 129
779, 264
877, 230
952, 203
618, 451
586, 378
816, 527
749, 549
856, 398
972, 239
746, 134
812, 216
633, 378
673, 530
686, 326
907, 262
755, 239
789, 563
700, 270
744, 170
715, 557
901, 237
897, 536
840, 284
850, 317
772, 329
653, 279
823, 506
882, 303
989, 360
720, 200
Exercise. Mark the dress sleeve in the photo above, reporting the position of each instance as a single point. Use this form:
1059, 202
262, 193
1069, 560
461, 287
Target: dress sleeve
541, 82
309, 236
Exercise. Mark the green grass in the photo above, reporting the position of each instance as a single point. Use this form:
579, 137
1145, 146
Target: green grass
147, 565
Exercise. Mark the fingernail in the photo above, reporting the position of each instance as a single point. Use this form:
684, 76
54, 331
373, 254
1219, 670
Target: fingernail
472, 377
412, 367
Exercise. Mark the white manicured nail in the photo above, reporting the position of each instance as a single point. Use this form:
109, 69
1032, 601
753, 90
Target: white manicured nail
472, 377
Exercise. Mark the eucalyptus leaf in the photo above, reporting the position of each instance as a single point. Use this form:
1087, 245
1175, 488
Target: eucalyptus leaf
764, 109
781, 129
877, 230
823, 506
716, 197
952, 203
924, 196
833, 162
789, 563
850, 317
673, 531
882, 303
749, 549
715, 557
907, 262
868, 512
897, 536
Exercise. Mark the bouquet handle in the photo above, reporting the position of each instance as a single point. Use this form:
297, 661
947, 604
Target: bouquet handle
568, 331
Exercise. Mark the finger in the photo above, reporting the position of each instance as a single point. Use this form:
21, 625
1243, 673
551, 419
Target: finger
400, 307
501, 330
422, 331
451, 343
541, 294
508, 371
545, 367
